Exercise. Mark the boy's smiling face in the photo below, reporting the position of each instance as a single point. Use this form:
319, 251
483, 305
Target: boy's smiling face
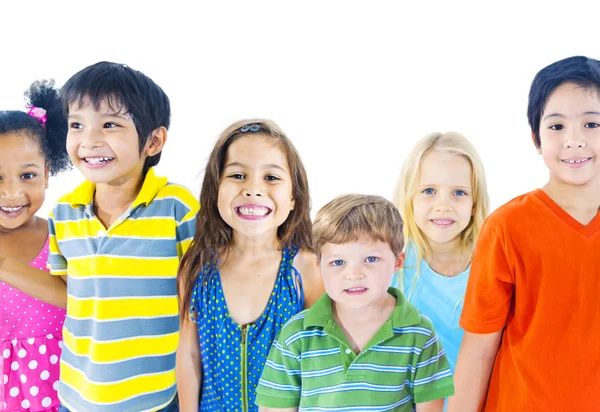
570, 135
103, 144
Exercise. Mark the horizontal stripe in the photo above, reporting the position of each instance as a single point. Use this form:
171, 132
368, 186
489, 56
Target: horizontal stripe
381, 368
120, 350
321, 352
304, 334
107, 393
396, 349
153, 401
322, 372
121, 308
433, 359
116, 246
115, 287
281, 368
118, 371
412, 329
128, 267
122, 329
360, 408
353, 386
435, 377
279, 387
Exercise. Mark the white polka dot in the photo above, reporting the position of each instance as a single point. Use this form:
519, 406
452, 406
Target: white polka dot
53, 359
33, 364
14, 392
22, 353
44, 375
5, 379
6, 353
60, 344
23, 378
25, 404
46, 402
34, 391
31, 341
55, 385
14, 366
50, 336
43, 349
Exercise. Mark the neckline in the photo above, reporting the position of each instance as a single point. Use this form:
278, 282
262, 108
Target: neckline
560, 213
285, 252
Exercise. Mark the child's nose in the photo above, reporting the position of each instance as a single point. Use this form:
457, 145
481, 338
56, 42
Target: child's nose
10, 189
574, 142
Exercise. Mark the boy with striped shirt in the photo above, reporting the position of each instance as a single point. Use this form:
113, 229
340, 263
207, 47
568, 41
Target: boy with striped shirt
115, 244
362, 346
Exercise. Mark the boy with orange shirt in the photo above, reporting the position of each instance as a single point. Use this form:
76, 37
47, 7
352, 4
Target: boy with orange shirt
530, 318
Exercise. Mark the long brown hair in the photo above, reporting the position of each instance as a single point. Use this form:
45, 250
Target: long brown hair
213, 235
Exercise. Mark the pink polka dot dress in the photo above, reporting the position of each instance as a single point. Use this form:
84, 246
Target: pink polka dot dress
31, 342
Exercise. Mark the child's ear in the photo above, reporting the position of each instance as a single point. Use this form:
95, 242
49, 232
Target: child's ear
156, 141
399, 262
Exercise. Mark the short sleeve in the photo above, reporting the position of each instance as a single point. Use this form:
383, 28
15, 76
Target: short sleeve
281, 383
432, 377
185, 232
57, 264
491, 283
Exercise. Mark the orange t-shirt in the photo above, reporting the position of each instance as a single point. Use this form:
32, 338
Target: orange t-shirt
536, 273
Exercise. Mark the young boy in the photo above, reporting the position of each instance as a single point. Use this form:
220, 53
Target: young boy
534, 276
362, 346
118, 239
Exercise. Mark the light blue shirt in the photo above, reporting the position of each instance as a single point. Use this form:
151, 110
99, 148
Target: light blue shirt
438, 297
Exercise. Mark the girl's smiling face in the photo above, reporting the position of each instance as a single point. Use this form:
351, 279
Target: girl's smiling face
443, 205
23, 180
255, 192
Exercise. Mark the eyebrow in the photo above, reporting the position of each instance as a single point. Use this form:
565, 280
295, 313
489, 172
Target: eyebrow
27, 165
269, 166
122, 116
561, 116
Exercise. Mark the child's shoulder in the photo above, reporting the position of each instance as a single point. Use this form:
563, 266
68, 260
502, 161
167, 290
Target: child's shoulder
520, 207
179, 198
294, 325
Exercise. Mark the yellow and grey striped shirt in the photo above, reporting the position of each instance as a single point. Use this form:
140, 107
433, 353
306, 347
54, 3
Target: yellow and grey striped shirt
122, 326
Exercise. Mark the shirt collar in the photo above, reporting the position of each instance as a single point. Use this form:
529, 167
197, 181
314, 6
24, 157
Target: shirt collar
84, 193
404, 313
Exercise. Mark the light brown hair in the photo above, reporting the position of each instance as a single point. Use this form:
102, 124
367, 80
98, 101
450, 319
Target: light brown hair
348, 218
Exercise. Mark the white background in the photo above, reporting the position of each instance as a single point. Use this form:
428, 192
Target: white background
354, 84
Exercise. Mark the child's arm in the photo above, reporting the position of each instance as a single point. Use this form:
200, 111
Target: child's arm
473, 369
263, 409
35, 282
188, 367
432, 406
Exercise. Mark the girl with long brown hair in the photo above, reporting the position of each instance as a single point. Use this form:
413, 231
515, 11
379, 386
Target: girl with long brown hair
249, 269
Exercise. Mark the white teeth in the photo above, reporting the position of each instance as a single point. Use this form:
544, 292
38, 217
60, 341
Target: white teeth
97, 160
355, 289
11, 209
576, 161
442, 222
253, 211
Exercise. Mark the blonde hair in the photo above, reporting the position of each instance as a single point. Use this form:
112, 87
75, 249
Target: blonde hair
348, 218
451, 143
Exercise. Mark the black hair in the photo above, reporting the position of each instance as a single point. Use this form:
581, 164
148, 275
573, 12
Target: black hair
51, 135
125, 91
580, 70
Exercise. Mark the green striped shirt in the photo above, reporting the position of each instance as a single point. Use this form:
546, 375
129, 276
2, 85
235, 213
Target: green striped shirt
312, 366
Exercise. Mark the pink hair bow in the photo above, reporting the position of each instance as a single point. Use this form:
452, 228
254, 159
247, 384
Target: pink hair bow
38, 113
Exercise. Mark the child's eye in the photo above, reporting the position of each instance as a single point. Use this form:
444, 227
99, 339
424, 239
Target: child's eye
237, 176
28, 176
371, 259
75, 125
592, 125
460, 193
110, 125
338, 262
271, 178
557, 127
428, 191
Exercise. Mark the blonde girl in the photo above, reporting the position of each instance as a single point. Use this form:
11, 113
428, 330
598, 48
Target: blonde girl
442, 196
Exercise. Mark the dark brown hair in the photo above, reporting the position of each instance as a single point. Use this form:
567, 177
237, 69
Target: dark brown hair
212, 235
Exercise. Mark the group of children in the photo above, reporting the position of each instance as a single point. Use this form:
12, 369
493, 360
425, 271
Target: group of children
239, 302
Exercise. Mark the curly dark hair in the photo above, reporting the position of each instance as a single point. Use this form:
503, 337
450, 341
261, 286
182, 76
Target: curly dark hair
51, 136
